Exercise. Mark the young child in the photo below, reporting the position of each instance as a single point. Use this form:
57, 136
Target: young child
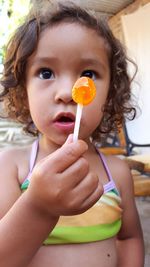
62, 203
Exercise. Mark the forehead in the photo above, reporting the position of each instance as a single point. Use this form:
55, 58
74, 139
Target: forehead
72, 40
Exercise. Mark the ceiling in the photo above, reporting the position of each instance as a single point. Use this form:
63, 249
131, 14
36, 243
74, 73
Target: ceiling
106, 7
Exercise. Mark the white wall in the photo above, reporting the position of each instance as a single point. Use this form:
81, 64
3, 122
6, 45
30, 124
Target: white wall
136, 28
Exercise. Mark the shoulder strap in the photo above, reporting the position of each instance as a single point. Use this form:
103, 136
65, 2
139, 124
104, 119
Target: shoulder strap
110, 185
105, 166
33, 154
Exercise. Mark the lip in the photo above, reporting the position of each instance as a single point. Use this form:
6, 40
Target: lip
64, 126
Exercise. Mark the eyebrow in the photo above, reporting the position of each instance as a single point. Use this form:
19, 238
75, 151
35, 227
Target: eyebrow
85, 61
94, 62
42, 60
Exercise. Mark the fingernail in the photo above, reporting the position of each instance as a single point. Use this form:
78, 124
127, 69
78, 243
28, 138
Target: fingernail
69, 139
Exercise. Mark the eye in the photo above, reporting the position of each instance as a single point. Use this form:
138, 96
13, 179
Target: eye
46, 74
90, 74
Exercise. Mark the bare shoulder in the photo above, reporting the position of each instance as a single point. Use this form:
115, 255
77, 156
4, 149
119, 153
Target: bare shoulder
120, 172
13, 157
130, 228
7, 153
13, 164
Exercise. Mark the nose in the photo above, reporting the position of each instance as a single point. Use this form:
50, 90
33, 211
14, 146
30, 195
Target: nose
64, 91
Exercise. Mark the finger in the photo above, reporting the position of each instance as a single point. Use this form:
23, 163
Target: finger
64, 157
88, 190
77, 204
75, 173
69, 139
87, 186
92, 199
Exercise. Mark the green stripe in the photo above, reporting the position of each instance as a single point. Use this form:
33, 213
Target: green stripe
114, 190
25, 185
80, 234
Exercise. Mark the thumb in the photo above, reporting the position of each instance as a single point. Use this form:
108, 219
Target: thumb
69, 139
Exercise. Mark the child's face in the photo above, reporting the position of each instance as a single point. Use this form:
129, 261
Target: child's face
64, 53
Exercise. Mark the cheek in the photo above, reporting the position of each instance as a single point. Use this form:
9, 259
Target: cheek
93, 113
91, 117
36, 108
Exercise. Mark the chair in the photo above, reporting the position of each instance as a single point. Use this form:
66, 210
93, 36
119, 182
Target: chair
114, 143
119, 144
133, 142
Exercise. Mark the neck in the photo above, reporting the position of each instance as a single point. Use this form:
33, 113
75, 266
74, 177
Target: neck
47, 147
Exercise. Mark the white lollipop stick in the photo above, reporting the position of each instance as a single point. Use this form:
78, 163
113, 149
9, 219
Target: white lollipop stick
77, 122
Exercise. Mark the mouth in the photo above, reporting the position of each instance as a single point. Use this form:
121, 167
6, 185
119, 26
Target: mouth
65, 122
65, 118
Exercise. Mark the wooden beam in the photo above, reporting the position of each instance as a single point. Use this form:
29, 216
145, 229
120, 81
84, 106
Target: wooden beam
141, 185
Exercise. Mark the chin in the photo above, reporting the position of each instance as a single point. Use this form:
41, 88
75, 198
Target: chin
60, 140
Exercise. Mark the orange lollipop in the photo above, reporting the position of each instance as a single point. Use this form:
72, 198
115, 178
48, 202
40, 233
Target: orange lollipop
83, 92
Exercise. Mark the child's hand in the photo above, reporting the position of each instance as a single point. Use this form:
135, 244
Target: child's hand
62, 184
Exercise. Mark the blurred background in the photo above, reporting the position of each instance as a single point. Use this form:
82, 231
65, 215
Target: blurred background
130, 23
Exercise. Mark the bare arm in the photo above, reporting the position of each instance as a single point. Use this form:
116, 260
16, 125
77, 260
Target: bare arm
22, 227
22, 231
130, 238
27, 219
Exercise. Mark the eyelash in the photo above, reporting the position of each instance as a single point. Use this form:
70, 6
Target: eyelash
90, 74
49, 74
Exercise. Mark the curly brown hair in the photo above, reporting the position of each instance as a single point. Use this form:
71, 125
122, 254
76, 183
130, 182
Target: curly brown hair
24, 42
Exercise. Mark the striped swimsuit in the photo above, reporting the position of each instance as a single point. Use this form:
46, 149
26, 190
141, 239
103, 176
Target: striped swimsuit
100, 222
